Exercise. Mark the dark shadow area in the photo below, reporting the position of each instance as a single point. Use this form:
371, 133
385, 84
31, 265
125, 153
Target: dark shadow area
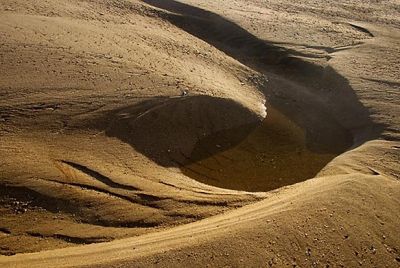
167, 129
235, 41
101, 178
273, 155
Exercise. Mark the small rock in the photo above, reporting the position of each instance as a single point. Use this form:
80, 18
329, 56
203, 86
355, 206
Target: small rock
184, 93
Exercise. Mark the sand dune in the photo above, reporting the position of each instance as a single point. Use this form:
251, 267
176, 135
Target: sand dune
199, 133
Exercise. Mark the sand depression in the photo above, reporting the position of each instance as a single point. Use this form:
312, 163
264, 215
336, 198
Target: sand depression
312, 114
221, 143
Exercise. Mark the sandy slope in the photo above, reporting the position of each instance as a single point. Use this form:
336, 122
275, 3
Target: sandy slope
98, 141
238, 237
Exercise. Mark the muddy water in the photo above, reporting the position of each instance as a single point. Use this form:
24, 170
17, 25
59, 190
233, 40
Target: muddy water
273, 155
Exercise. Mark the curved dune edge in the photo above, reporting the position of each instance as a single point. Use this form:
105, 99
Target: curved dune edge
367, 195
285, 202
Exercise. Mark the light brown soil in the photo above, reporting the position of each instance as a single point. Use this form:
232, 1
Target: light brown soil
199, 133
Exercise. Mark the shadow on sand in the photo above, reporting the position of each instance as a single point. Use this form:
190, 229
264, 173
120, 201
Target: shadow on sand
327, 114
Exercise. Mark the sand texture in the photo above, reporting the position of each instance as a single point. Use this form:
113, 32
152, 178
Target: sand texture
163, 133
